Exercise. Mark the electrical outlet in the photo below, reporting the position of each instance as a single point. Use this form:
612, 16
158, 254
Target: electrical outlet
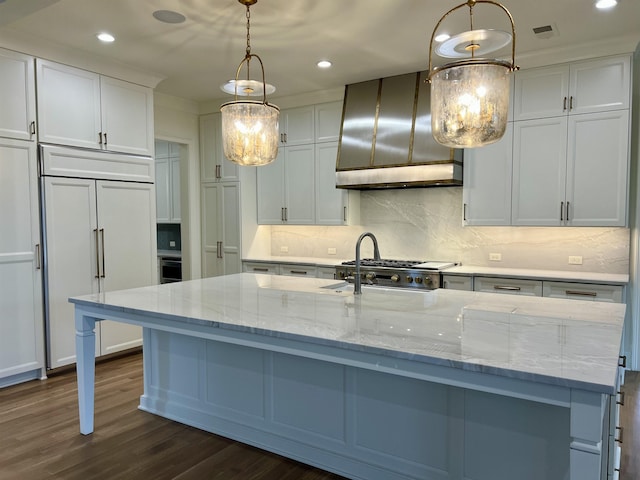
331, 251
495, 257
575, 260
284, 249
172, 243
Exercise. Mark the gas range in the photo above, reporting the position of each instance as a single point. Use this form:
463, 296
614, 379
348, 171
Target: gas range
417, 274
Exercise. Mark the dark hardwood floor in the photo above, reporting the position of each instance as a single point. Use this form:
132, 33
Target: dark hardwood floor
39, 437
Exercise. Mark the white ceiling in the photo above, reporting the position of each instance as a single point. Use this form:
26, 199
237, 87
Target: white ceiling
364, 39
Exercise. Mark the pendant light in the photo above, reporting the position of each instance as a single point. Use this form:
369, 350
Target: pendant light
250, 131
470, 96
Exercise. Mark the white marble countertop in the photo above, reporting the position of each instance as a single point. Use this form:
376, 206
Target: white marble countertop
570, 343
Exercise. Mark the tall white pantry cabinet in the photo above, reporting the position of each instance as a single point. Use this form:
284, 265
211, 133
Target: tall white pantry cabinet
21, 316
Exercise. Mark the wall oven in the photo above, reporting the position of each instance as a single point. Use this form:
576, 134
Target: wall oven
170, 269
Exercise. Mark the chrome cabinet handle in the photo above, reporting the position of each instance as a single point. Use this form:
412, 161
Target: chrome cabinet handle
32, 128
217, 171
95, 231
578, 292
506, 287
219, 249
100, 138
567, 211
286, 214
37, 255
105, 139
298, 272
344, 214
260, 269
464, 212
561, 211
286, 139
571, 102
564, 104
282, 214
102, 275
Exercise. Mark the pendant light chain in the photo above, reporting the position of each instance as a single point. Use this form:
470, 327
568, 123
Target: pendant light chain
248, 30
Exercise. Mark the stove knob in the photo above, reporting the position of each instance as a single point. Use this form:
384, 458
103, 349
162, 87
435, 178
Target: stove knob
395, 278
409, 279
370, 276
418, 279
428, 280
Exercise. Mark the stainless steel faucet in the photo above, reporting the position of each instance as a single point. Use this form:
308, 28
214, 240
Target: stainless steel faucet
357, 288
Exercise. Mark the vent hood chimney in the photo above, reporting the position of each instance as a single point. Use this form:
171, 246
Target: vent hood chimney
386, 141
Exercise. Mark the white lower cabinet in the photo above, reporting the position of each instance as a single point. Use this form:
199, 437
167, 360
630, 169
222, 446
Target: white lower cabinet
100, 236
298, 270
221, 243
295, 269
583, 291
457, 282
512, 286
261, 267
21, 326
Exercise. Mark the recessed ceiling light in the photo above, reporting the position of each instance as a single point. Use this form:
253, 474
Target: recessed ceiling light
105, 37
169, 16
604, 4
324, 64
442, 37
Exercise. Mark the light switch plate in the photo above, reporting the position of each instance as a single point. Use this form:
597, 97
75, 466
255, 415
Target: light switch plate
284, 249
495, 257
172, 243
331, 251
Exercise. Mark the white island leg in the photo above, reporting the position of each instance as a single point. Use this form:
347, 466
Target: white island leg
85, 366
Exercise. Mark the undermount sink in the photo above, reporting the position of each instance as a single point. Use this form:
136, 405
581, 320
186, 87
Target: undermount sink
339, 287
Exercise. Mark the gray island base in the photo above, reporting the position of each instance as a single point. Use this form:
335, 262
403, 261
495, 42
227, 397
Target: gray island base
391, 384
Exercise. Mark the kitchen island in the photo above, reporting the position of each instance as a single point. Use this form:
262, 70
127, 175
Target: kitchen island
391, 384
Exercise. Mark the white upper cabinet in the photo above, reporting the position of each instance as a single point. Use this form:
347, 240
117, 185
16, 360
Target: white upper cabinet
582, 87
17, 96
328, 119
214, 165
127, 116
486, 193
285, 187
539, 171
84, 109
167, 163
297, 126
299, 187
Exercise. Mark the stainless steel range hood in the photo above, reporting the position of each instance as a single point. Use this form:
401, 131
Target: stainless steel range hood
386, 141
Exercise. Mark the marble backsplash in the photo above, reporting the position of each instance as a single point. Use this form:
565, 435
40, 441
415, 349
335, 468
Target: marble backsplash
426, 224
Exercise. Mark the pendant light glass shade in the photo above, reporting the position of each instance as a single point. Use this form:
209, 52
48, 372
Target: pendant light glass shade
470, 97
250, 132
250, 129
470, 104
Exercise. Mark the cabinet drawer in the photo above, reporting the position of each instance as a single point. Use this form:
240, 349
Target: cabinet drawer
583, 291
326, 272
298, 270
511, 286
455, 282
259, 267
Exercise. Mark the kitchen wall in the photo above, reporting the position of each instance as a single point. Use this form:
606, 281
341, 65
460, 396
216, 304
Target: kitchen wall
426, 224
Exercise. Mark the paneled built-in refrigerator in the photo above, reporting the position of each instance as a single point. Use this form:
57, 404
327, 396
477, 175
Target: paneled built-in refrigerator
99, 232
